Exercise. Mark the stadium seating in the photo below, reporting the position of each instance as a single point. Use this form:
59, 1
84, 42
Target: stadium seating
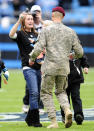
79, 18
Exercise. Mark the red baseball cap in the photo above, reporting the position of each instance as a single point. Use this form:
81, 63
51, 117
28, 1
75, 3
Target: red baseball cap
59, 9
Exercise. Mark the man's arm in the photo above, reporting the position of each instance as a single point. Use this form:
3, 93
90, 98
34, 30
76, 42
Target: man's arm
84, 61
84, 64
77, 46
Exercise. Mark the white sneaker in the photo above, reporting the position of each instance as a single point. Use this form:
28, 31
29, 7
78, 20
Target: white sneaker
25, 108
41, 111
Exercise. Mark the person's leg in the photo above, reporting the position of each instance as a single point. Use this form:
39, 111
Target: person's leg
47, 98
62, 114
32, 118
77, 103
26, 97
62, 111
61, 85
25, 107
31, 81
41, 106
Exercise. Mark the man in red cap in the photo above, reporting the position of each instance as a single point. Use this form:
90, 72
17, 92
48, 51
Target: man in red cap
59, 9
58, 40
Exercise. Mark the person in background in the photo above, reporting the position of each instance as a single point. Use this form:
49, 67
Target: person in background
84, 2
29, 3
4, 70
66, 4
38, 24
75, 78
16, 6
37, 15
58, 40
26, 38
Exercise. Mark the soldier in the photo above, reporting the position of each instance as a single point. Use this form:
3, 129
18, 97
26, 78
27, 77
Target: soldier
58, 40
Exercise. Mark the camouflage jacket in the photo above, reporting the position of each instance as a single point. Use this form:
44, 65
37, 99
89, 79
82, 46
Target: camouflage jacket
58, 40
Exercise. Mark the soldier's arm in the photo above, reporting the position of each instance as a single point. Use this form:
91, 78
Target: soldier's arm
39, 46
77, 46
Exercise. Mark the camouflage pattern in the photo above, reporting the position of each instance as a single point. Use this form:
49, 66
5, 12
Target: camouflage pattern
60, 91
58, 40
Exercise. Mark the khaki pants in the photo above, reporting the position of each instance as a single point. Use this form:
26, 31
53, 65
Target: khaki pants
60, 83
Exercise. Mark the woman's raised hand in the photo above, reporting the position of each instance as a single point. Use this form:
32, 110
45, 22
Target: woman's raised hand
22, 15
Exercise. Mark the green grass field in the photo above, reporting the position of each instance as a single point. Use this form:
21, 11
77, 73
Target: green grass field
11, 101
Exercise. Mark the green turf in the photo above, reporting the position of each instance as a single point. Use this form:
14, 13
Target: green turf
21, 126
86, 90
11, 101
11, 94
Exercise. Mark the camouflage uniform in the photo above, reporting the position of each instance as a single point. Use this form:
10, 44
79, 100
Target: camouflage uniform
58, 40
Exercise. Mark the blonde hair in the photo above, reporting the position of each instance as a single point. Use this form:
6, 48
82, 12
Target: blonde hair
58, 14
23, 24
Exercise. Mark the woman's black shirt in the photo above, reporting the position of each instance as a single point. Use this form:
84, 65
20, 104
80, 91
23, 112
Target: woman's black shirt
25, 47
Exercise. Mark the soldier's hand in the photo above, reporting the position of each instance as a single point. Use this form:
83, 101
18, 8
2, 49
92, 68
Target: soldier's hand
40, 56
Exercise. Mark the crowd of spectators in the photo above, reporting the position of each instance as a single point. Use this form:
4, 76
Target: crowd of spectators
12, 8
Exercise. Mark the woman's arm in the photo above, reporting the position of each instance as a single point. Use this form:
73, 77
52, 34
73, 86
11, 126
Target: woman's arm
15, 27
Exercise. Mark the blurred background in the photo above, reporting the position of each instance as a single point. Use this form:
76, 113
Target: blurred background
79, 16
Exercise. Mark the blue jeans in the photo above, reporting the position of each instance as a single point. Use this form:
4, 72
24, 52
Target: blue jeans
33, 81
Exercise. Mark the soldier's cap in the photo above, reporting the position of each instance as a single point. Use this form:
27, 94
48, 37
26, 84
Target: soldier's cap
35, 8
59, 9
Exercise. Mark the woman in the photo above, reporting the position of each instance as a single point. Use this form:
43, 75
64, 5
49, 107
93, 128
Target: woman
26, 39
